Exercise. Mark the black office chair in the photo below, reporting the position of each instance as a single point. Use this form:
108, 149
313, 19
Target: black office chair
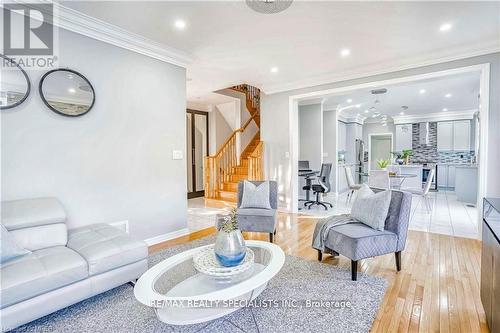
323, 186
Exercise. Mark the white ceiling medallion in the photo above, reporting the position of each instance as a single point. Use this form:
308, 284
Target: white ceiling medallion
269, 6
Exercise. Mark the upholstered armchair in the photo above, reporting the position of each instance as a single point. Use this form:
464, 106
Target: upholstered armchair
358, 241
259, 219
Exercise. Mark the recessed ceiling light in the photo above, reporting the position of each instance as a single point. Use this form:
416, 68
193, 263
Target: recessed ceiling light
274, 69
445, 27
448, 95
349, 100
445, 109
71, 90
366, 111
401, 113
345, 52
180, 24
422, 91
358, 105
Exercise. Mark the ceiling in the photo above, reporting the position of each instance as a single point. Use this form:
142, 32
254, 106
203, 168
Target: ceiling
452, 93
232, 44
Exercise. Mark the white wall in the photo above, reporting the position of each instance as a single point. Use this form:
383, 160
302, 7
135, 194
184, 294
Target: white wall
330, 144
114, 163
275, 110
311, 135
245, 114
220, 130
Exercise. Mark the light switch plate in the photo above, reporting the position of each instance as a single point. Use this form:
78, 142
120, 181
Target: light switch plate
177, 154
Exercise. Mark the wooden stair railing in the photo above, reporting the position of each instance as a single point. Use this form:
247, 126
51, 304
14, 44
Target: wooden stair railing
218, 168
255, 160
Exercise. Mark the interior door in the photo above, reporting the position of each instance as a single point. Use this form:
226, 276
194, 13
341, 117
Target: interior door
197, 149
381, 147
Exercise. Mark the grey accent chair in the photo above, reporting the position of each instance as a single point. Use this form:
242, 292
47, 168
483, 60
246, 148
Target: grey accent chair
358, 241
259, 219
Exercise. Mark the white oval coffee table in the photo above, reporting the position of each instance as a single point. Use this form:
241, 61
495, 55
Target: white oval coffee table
181, 295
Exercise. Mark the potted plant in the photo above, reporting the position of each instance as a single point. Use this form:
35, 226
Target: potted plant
229, 246
405, 155
382, 164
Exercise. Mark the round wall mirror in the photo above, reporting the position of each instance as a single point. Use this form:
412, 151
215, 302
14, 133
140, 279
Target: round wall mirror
67, 92
14, 84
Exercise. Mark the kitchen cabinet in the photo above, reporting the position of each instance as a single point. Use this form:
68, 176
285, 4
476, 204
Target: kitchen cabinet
411, 182
403, 137
442, 175
490, 263
445, 135
451, 176
461, 135
453, 135
466, 183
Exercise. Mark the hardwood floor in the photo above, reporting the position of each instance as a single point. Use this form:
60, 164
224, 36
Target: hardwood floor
437, 289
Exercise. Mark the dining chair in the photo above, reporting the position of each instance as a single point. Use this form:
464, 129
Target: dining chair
350, 184
379, 179
424, 192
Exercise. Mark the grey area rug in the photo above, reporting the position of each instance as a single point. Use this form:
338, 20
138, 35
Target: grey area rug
118, 311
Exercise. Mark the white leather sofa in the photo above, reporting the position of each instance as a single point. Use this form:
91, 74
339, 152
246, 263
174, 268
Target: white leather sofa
64, 267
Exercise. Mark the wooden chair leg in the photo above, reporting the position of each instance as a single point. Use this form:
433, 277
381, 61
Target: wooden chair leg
354, 270
271, 237
320, 255
398, 260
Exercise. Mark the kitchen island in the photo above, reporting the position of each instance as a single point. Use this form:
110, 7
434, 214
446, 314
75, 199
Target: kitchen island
411, 169
466, 183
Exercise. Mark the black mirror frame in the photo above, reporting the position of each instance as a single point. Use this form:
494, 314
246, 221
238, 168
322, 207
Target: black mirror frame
27, 80
71, 71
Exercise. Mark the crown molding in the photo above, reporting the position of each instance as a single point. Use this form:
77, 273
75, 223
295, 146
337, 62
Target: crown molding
437, 116
75, 21
356, 119
385, 69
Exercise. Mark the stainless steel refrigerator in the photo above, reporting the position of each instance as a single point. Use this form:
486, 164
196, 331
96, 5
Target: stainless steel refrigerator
359, 167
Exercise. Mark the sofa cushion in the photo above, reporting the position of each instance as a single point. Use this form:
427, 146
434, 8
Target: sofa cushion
41, 237
18, 214
40, 272
105, 247
371, 208
9, 249
358, 241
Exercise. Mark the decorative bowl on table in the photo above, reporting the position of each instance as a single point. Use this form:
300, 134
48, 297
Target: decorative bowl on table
229, 248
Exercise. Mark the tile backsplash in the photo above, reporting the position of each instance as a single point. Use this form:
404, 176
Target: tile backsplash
424, 153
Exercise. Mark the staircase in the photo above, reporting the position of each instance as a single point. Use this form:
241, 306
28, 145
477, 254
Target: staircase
224, 170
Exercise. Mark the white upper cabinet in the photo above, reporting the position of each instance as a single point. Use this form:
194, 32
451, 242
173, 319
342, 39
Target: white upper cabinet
461, 135
403, 137
453, 135
445, 135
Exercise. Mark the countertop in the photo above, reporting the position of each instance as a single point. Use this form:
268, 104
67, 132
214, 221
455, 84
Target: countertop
493, 219
466, 166
410, 166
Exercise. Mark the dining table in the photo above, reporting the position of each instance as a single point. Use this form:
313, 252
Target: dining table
399, 176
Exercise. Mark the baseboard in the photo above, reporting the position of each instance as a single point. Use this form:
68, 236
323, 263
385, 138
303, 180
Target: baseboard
167, 236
